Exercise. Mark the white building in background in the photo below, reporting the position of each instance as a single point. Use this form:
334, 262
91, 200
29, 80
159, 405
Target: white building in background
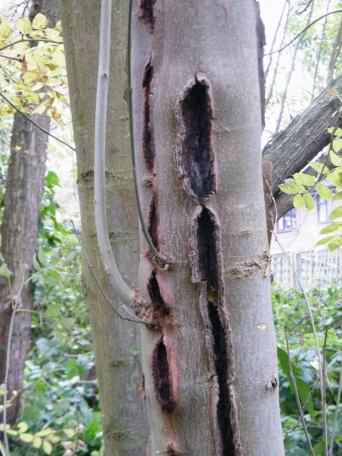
299, 229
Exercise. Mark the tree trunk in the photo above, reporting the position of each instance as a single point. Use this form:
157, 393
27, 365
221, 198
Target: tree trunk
116, 344
19, 233
210, 360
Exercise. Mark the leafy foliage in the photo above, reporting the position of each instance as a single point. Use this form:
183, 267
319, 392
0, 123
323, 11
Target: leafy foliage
36, 79
303, 185
61, 413
291, 312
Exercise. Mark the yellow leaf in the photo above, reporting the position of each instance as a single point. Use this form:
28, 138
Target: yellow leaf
23, 427
47, 447
39, 22
37, 442
24, 26
5, 29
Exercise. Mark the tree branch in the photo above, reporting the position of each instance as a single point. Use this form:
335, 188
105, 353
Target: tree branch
305, 29
125, 293
293, 148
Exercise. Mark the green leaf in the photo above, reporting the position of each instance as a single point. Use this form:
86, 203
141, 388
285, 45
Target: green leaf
22, 427
47, 447
298, 201
309, 201
336, 213
304, 179
321, 168
338, 196
323, 191
27, 438
37, 442
337, 144
335, 159
325, 240
51, 179
331, 228
290, 187
335, 177
303, 389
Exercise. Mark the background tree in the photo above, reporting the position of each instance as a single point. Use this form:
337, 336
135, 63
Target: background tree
19, 234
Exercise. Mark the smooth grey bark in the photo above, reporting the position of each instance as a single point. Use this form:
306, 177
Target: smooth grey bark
19, 233
117, 347
210, 362
305, 137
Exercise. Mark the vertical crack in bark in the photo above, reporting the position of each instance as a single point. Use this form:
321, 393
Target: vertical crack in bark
160, 308
147, 13
153, 221
261, 37
222, 370
210, 270
196, 158
148, 142
162, 378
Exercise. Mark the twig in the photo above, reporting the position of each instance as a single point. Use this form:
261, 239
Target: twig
286, 3
24, 40
305, 29
324, 390
290, 74
276, 68
338, 401
320, 366
335, 53
299, 405
319, 52
36, 124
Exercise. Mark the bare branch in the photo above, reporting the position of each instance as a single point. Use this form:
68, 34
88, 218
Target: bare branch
276, 33
290, 72
319, 52
276, 68
29, 119
125, 293
299, 35
335, 54
305, 137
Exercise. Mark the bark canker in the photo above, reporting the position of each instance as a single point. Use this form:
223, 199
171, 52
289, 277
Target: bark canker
210, 271
195, 155
148, 143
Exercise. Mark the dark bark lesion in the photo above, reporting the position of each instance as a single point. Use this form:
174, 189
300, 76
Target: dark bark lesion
159, 306
195, 156
147, 13
162, 378
209, 267
148, 141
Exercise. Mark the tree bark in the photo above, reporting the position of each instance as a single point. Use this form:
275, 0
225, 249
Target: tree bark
305, 137
116, 341
210, 361
19, 233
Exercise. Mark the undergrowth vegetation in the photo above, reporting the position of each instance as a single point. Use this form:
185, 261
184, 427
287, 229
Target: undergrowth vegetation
61, 414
